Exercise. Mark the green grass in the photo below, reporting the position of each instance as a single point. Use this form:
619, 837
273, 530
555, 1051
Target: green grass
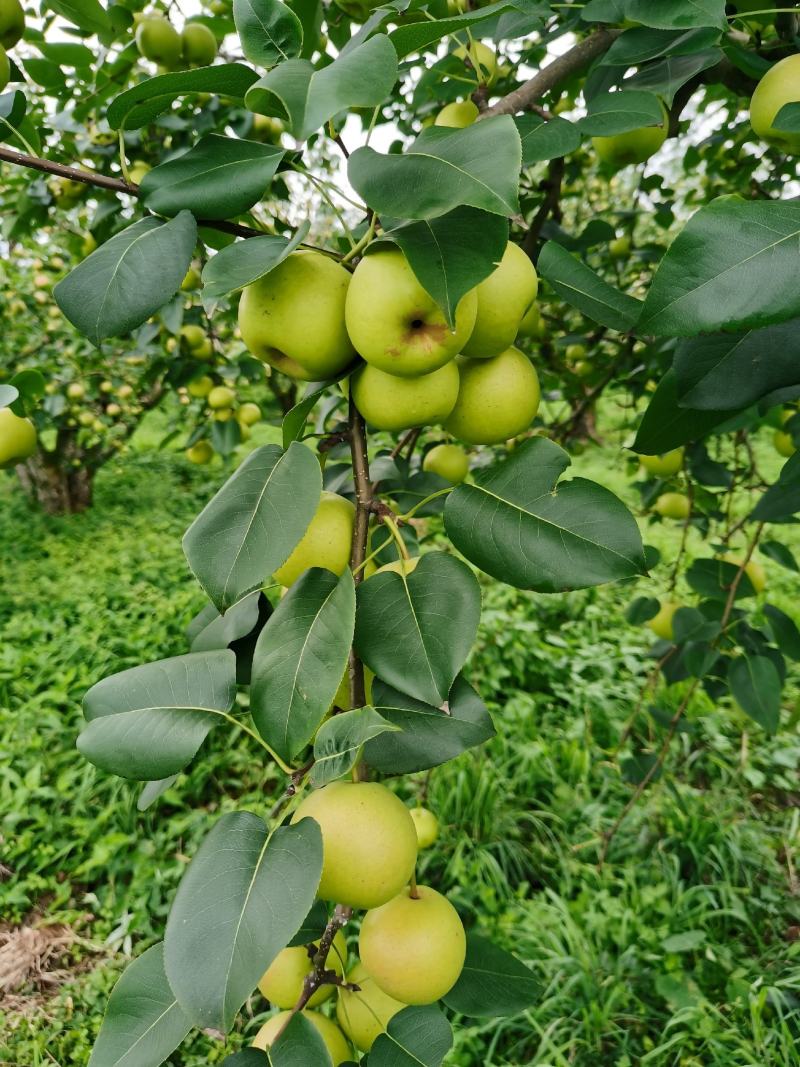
679, 951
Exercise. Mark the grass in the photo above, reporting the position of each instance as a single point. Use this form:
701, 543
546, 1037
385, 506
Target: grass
682, 950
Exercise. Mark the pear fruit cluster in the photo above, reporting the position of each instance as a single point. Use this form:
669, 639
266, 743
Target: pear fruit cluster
159, 41
311, 319
411, 944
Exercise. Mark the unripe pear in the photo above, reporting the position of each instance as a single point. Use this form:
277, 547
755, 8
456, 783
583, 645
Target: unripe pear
335, 1041
86, 418
779, 86
636, 146
192, 336
200, 387
532, 324
191, 280
369, 843
661, 623
448, 461
293, 317
619, 247
249, 414
414, 947
482, 59
17, 438
784, 443
673, 506
326, 543
88, 244
342, 698
400, 566
459, 114
282, 983
266, 128
663, 466
137, 172
503, 299
497, 399
106, 386
12, 23
391, 403
221, 396
574, 352
125, 391
113, 410
199, 45
365, 1014
76, 390
5, 69
159, 41
200, 452
223, 414
753, 569
427, 826
395, 324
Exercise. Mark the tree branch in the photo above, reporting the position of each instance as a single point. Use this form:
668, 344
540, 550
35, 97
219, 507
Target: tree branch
551, 187
360, 461
553, 74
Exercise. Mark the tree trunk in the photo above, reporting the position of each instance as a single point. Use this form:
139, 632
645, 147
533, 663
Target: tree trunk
57, 490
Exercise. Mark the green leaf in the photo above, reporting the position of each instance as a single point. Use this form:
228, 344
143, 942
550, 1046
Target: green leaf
726, 372
621, 111
453, 253
713, 578
300, 1045
782, 555
248, 1057
576, 283
756, 688
641, 610
415, 1037
127, 279
415, 630
143, 103
300, 658
689, 624
428, 736
545, 138
666, 14
784, 630
270, 31
665, 77
686, 941
244, 262
788, 118
151, 791
492, 983
781, 502
254, 522
87, 15
642, 43
416, 36
144, 1023
665, 425
516, 524
148, 722
306, 98
8, 394
239, 903
340, 739
294, 422
732, 267
219, 178
12, 111
443, 169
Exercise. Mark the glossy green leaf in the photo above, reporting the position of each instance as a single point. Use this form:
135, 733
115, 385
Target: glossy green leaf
417, 36
492, 983
209, 630
144, 1023
788, 118
415, 1037
641, 44
121, 284
305, 97
665, 14
341, 738
151, 791
12, 111
143, 103
781, 502
88, 15
451, 254
726, 372
244, 262
416, 630
8, 394
300, 1045
247, 1057
270, 31
781, 553
294, 422
300, 657
239, 903
148, 722
442, 170
428, 735
545, 139
732, 267
667, 76
576, 283
518, 525
621, 111
219, 178
713, 578
665, 425
253, 523
756, 688
784, 631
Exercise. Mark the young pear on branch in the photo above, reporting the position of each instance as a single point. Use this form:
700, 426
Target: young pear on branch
326, 543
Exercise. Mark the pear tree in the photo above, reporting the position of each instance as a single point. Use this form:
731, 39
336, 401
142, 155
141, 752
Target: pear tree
445, 233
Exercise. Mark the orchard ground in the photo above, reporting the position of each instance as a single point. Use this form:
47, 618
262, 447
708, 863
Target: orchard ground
684, 948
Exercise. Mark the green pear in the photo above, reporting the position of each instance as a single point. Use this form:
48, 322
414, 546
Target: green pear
572, 353
199, 45
414, 947
137, 172
249, 414
391, 403
661, 623
282, 983
326, 543
12, 22
663, 466
753, 569
459, 114
17, 438
76, 390
497, 399
191, 280
332, 1036
294, 317
620, 247
482, 59
200, 452
221, 396
159, 41
266, 128
784, 443
395, 324
448, 461
365, 1014
673, 506
635, 146
5, 69
532, 324
779, 86
369, 844
503, 299
427, 826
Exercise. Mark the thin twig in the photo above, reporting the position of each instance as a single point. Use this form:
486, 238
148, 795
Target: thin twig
360, 461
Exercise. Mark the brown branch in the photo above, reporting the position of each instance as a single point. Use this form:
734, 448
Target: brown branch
578, 57
360, 461
551, 187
